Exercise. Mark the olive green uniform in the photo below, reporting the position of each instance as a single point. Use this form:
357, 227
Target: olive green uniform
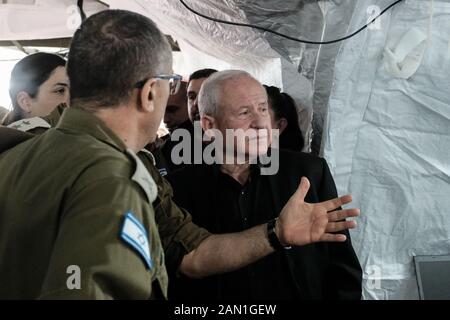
65, 196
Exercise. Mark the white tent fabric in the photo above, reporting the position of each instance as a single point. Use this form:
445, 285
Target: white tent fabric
388, 143
387, 140
42, 19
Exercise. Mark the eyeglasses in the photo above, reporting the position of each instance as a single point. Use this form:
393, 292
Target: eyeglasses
174, 81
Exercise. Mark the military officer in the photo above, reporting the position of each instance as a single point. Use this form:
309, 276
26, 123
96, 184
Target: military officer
38, 84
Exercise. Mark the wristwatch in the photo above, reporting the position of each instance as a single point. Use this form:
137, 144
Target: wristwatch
272, 236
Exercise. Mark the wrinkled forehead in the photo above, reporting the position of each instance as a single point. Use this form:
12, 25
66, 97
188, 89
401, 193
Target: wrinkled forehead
243, 91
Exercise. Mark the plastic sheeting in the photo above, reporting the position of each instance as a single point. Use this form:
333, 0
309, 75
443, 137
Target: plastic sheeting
201, 38
388, 143
308, 20
42, 19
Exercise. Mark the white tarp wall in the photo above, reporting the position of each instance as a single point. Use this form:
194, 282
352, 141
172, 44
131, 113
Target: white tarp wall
388, 143
243, 49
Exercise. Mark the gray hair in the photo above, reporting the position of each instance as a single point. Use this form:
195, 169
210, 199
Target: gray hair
210, 94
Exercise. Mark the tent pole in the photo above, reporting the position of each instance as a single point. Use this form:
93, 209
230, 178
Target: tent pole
19, 46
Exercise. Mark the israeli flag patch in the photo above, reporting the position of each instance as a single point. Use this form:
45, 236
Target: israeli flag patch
134, 234
163, 172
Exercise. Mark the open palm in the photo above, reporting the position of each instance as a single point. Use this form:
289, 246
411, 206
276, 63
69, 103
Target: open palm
301, 223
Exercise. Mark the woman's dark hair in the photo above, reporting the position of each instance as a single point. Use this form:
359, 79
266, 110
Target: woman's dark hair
28, 75
283, 106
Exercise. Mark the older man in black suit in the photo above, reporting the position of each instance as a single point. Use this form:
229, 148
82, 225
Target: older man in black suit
230, 196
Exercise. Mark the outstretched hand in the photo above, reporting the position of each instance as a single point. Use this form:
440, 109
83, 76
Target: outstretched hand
301, 223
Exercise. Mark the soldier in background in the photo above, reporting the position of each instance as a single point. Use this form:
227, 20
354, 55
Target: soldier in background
38, 84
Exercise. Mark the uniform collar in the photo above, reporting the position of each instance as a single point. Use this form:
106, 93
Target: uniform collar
81, 121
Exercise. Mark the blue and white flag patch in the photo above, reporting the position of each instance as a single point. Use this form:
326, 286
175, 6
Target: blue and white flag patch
163, 172
135, 235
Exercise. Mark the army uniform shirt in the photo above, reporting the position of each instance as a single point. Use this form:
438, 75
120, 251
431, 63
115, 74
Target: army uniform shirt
77, 217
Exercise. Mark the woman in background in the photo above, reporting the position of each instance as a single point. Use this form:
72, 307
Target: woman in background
38, 85
283, 114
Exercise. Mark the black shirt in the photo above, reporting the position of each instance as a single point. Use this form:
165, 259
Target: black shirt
166, 150
316, 271
236, 208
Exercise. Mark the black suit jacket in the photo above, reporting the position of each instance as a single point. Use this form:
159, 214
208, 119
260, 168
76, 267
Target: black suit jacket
317, 271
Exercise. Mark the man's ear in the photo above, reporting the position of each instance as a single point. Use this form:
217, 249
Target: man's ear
24, 101
148, 96
208, 122
282, 124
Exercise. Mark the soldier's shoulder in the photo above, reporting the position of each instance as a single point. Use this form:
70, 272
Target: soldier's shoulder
142, 173
108, 162
29, 124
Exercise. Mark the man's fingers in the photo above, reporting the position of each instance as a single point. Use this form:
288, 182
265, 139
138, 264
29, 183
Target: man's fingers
340, 226
302, 189
342, 214
332, 204
328, 237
